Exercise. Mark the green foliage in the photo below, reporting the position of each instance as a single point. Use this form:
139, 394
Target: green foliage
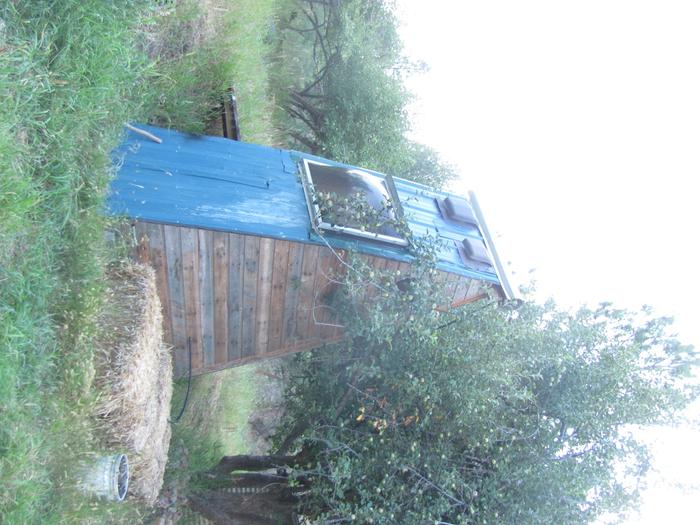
356, 212
339, 72
424, 165
68, 75
366, 117
215, 420
487, 414
193, 432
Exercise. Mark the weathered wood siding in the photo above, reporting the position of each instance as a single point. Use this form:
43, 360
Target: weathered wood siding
241, 298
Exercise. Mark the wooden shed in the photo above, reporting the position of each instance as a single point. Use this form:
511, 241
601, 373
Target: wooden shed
235, 238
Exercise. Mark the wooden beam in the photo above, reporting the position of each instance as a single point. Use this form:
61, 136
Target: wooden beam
279, 287
250, 295
221, 290
292, 293
306, 292
206, 293
301, 346
173, 255
235, 295
262, 315
190, 277
156, 242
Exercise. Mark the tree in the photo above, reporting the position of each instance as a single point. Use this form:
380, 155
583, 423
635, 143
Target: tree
492, 413
348, 102
423, 164
348, 96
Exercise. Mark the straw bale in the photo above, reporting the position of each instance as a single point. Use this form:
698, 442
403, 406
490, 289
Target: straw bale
135, 377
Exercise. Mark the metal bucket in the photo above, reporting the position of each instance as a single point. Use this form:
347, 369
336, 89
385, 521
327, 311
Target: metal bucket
107, 477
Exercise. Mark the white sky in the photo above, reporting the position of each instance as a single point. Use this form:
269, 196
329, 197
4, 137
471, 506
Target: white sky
578, 125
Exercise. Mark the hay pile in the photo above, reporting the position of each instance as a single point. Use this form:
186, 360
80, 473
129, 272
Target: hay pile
135, 377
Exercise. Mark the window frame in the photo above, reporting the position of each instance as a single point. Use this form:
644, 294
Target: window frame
319, 224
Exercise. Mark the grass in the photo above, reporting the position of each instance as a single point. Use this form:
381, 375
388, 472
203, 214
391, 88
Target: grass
194, 430
202, 49
237, 403
71, 73
215, 421
67, 75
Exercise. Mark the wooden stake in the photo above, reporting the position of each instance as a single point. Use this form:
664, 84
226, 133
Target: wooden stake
143, 133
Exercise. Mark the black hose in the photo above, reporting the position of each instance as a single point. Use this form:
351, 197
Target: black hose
189, 382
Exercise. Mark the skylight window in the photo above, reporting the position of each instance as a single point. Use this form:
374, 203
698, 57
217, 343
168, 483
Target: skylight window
351, 201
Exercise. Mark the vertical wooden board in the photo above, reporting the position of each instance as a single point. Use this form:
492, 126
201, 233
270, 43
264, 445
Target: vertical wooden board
381, 264
250, 294
378, 264
439, 284
142, 251
317, 314
334, 270
475, 288
220, 282
291, 295
391, 266
405, 269
279, 286
451, 282
131, 237
461, 291
306, 291
190, 279
370, 290
323, 291
206, 293
173, 255
236, 250
339, 270
262, 314
156, 243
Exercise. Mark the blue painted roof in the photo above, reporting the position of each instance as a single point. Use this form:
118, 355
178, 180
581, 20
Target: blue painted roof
220, 184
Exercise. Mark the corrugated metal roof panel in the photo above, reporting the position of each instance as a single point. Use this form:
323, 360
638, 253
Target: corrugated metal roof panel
209, 182
220, 184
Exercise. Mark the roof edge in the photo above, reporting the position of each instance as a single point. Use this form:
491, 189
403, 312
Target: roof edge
486, 234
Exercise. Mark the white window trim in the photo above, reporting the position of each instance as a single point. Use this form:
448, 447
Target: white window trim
315, 212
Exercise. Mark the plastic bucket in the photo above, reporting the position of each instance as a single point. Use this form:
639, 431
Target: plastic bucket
107, 477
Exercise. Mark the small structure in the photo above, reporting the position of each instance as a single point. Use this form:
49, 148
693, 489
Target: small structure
233, 234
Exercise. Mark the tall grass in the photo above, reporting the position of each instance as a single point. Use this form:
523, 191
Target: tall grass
203, 48
71, 73
68, 73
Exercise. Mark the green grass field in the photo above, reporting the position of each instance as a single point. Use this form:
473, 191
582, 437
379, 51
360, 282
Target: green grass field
67, 77
236, 404
71, 73
214, 422
202, 49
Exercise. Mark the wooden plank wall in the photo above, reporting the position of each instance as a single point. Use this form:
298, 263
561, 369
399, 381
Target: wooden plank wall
240, 298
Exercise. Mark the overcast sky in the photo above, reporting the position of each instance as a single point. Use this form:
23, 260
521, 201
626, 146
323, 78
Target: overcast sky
578, 125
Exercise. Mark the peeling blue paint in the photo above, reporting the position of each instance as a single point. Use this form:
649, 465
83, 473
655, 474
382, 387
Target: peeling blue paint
220, 184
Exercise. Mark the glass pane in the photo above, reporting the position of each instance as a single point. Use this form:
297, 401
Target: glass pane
347, 183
